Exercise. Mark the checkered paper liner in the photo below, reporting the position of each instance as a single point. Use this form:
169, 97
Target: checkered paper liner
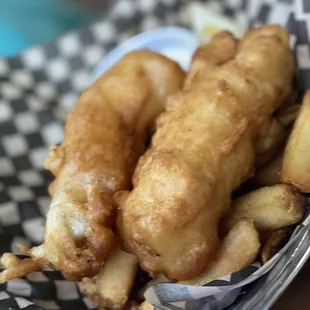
39, 87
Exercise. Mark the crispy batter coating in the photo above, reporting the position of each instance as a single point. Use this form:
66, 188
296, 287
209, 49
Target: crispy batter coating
89, 288
15, 267
104, 136
202, 151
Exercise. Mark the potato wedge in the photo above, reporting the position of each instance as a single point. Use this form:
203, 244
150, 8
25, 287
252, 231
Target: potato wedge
270, 208
238, 249
296, 163
115, 280
274, 243
287, 115
269, 174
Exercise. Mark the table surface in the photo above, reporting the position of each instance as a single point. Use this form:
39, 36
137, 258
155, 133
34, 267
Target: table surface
297, 296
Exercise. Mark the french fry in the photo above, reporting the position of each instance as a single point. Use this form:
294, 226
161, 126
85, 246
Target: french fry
287, 115
238, 249
269, 174
271, 136
115, 280
274, 243
270, 208
296, 163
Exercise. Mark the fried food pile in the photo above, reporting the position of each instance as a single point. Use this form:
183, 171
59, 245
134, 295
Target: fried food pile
104, 136
203, 150
224, 126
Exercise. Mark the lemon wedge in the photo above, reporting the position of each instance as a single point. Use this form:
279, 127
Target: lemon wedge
206, 22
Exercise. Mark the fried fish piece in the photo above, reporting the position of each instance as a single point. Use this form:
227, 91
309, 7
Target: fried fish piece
104, 136
202, 151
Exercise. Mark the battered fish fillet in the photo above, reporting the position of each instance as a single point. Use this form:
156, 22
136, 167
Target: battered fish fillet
104, 136
202, 151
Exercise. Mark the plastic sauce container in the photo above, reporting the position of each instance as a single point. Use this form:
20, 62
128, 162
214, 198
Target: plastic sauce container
177, 43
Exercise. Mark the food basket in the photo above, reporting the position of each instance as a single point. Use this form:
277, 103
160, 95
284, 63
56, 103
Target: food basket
37, 90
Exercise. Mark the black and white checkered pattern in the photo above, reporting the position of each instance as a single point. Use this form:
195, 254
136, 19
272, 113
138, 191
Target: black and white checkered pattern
39, 87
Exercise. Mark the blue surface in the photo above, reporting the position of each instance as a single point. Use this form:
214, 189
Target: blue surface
24, 23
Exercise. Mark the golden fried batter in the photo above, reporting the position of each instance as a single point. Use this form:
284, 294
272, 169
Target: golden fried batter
202, 151
16, 268
104, 135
